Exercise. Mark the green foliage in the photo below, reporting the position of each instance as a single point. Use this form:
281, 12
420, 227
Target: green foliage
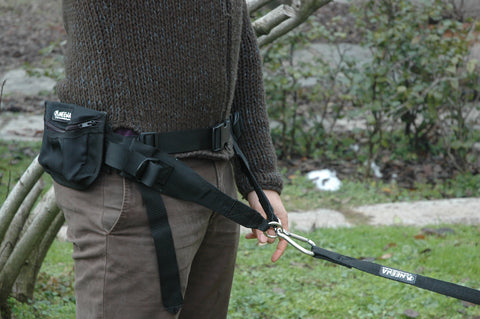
419, 76
54, 297
14, 159
417, 94
300, 112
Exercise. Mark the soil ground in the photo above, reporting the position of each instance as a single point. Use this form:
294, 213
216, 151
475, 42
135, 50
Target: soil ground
27, 31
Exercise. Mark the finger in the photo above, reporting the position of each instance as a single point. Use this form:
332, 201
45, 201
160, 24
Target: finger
281, 246
262, 239
272, 237
251, 235
259, 235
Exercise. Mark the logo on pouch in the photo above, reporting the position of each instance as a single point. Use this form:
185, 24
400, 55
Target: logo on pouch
398, 275
64, 116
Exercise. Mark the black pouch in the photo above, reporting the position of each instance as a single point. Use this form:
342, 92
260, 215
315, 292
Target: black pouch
73, 144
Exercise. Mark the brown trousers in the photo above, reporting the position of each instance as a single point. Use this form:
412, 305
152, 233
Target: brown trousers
116, 273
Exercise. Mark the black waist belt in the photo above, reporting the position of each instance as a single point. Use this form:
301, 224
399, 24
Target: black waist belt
213, 139
146, 160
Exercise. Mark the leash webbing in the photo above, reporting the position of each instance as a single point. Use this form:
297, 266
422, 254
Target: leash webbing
428, 283
264, 202
172, 177
439, 286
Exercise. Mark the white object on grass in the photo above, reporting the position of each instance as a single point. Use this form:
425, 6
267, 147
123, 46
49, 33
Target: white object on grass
325, 180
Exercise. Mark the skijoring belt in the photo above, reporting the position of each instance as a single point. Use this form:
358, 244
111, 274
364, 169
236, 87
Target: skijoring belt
77, 141
157, 172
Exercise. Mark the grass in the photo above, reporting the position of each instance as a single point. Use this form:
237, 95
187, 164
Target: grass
302, 287
14, 159
54, 297
300, 194
298, 286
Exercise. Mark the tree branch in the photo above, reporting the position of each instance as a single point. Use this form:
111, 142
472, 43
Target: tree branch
300, 11
266, 23
18, 194
47, 211
18, 223
1, 96
254, 5
24, 286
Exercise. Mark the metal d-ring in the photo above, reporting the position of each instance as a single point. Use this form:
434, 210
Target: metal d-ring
277, 226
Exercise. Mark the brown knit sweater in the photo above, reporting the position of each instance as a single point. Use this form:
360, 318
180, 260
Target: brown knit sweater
168, 65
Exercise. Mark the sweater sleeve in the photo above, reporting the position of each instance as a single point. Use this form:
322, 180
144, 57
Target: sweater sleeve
249, 99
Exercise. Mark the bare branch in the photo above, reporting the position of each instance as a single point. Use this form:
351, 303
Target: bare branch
48, 211
302, 9
18, 194
1, 94
254, 5
24, 286
273, 18
18, 223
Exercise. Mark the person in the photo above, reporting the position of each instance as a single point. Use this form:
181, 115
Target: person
164, 66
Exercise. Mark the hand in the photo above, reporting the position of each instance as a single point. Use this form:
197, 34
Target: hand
279, 211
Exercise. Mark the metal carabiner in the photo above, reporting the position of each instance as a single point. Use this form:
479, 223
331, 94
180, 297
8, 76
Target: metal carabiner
291, 237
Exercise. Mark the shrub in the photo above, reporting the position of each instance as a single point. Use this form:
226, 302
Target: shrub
417, 95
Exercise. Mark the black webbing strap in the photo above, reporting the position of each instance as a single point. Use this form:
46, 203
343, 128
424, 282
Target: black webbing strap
157, 172
435, 285
172, 177
212, 138
172, 297
236, 131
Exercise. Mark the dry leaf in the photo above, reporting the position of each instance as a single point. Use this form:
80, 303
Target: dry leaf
389, 245
410, 313
386, 256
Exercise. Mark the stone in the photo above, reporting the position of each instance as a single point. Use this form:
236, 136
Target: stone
20, 82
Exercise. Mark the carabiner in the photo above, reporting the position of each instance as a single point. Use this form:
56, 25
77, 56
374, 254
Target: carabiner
291, 237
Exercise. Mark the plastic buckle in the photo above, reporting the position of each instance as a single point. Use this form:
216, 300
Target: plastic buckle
153, 171
142, 167
220, 136
149, 138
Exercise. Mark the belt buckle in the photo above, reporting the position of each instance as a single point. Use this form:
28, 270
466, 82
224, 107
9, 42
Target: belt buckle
149, 138
220, 136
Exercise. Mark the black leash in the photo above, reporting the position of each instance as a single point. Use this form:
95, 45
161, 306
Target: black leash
432, 284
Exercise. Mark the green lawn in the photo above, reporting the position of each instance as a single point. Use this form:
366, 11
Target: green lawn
299, 286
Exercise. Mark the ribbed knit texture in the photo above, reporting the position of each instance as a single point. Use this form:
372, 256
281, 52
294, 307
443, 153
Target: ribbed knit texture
170, 65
